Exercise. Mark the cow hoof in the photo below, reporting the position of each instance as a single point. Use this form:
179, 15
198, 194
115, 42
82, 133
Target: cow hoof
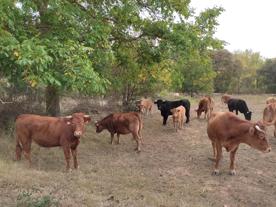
215, 172
232, 172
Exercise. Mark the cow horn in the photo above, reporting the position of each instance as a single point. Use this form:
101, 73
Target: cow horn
86, 116
68, 117
259, 129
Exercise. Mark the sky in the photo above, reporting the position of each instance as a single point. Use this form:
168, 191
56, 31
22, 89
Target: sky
245, 24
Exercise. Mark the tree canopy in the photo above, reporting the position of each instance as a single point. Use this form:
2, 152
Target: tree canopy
124, 47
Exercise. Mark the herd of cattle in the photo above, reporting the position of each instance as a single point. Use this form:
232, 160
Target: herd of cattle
224, 129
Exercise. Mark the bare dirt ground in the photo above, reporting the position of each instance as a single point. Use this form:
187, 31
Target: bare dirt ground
173, 169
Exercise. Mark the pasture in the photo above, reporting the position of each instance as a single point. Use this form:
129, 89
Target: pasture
173, 169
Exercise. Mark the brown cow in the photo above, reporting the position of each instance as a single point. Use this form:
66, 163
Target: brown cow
206, 105
227, 130
145, 106
270, 100
50, 132
225, 98
269, 115
178, 117
122, 123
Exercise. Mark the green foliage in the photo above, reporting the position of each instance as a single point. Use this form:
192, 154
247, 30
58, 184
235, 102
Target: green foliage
250, 62
26, 199
196, 75
49, 47
267, 76
228, 71
127, 47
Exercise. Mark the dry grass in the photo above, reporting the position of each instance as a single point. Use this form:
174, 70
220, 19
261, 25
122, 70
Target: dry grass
173, 169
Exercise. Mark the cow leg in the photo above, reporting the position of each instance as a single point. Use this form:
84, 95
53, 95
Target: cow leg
165, 118
18, 150
150, 110
218, 158
214, 149
236, 112
74, 154
232, 159
187, 114
112, 137
67, 156
118, 138
27, 151
275, 130
175, 125
138, 141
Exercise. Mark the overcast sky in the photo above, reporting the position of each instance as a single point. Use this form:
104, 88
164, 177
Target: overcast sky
245, 24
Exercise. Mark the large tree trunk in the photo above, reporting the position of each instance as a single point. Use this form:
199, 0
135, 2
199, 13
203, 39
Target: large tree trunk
52, 101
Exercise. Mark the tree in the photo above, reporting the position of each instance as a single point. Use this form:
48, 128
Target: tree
228, 70
267, 76
52, 43
250, 62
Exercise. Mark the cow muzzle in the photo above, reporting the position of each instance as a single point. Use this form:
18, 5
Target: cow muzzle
77, 133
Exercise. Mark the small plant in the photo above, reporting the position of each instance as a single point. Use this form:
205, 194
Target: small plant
25, 199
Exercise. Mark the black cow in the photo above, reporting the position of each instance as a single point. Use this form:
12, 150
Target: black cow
239, 105
166, 106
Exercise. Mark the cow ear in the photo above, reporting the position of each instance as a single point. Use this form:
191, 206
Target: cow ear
251, 131
68, 119
86, 118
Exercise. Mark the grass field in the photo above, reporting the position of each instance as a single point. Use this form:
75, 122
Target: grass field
173, 169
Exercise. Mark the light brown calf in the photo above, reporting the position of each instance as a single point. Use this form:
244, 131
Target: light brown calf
225, 98
269, 115
270, 100
206, 105
178, 117
145, 106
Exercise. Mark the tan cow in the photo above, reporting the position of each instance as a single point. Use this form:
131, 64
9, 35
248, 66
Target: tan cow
50, 132
227, 130
269, 115
225, 98
178, 117
122, 123
145, 106
206, 105
270, 100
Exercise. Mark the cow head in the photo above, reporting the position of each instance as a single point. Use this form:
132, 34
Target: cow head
77, 121
225, 98
99, 127
198, 112
248, 115
159, 103
141, 108
258, 139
